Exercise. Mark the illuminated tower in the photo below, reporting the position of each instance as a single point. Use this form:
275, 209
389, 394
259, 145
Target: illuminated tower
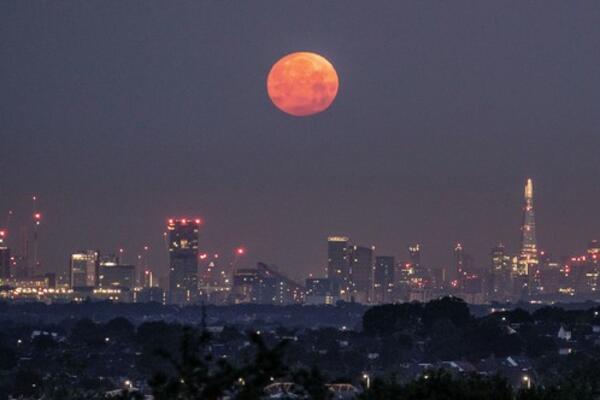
459, 261
500, 275
383, 279
361, 272
414, 253
4, 256
528, 257
83, 269
37, 219
338, 265
183, 260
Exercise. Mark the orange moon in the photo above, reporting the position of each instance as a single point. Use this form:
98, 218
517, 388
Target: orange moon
302, 84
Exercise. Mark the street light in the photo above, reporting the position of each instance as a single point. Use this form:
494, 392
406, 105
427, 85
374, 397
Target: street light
527, 381
367, 379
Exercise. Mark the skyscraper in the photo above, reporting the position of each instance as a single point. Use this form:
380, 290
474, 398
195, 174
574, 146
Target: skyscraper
4, 256
361, 272
183, 260
338, 265
113, 275
83, 271
500, 274
414, 254
528, 256
463, 264
383, 279
264, 285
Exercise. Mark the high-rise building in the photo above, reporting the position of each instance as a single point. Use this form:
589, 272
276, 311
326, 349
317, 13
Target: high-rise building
116, 276
420, 275
214, 279
500, 275
338, 265
463, 265
528, 256
361, 273
4, 256
183, 260
320, 291
593, 251
383, 279
264, 285
83, 269
414, 254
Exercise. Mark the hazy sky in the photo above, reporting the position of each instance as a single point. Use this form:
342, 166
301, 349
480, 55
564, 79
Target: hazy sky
119, 114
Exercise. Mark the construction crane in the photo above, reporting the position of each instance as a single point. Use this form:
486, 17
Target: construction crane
37, 219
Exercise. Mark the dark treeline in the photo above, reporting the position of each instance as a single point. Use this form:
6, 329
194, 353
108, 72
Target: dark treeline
404, 349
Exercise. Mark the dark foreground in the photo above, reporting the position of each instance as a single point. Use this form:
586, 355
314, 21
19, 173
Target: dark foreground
437, 350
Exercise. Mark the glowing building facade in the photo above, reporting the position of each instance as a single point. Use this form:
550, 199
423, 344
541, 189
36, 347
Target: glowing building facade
338, 265
500, 275
383, 279
361, 273
528, 257
83, 271
183, 260
4, 256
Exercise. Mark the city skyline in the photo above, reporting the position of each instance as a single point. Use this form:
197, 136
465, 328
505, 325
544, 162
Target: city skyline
526, 243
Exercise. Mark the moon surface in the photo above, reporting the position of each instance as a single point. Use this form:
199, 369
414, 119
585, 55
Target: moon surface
302, 84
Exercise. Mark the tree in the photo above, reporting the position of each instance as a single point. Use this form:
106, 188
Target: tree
197, 375
8, 358
27, 383
313, 383
452, 308
390, 318
119, 328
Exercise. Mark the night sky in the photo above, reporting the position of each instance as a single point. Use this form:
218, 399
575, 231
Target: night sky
120, 114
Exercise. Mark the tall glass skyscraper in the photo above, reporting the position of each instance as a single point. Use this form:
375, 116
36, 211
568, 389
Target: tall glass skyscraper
383, 279
183, 260
4, 256
83, 271
528, 256
338, 265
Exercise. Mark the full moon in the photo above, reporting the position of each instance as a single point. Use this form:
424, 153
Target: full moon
302, 84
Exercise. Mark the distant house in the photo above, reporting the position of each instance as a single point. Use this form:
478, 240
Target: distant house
459, 366
565, 351
563, 334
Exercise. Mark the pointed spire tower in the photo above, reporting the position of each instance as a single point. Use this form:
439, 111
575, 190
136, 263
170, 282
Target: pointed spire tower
528, 257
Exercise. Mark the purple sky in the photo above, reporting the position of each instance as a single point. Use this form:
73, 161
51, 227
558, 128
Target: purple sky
120, 114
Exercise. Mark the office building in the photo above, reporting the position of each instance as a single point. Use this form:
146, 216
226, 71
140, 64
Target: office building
338, 264
361, 273
116, 276
183, 260
83, 270
264, 285
500, 283
383, 279
5, 272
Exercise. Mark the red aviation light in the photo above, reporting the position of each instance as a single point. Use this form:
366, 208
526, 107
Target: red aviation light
198, 221
240, 251
203, 256
2, 233
183, 221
